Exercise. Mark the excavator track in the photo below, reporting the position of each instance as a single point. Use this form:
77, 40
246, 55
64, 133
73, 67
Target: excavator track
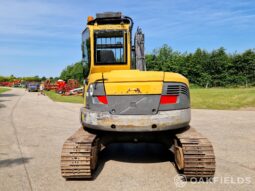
79, 155
194, 155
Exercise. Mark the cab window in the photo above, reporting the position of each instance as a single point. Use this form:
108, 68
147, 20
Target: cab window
110, 47
86, 51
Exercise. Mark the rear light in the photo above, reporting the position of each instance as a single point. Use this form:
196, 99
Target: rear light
102, 99
168, 99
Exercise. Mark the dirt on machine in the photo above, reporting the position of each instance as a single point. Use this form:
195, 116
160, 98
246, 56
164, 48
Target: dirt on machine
125, 103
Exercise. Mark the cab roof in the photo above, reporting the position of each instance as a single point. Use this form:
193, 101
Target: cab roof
110, 18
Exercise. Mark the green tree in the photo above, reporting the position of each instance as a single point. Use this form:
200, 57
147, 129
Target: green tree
217, 67
242, 70
77, 71
164, 59
74, 71
198, 72
43, 78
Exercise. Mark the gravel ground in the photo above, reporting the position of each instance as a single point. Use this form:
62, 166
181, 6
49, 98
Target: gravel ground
33, 129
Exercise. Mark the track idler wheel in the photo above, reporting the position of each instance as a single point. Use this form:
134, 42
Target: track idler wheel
94, 154
179, 158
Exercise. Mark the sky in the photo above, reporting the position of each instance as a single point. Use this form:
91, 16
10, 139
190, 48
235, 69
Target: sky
43, 37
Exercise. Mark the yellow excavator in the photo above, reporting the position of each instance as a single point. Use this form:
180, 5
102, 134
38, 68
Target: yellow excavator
125, 103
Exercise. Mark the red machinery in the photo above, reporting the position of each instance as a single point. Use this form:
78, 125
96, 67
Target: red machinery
64, 87
16, 83
49, 86
10, 84
60, 86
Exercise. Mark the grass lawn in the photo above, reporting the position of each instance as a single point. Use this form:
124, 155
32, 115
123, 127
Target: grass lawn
223, 98
57, 97
4, 90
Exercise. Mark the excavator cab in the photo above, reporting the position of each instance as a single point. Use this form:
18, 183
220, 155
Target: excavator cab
106, 43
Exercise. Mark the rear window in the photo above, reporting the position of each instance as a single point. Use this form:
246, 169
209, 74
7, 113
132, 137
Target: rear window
110, 47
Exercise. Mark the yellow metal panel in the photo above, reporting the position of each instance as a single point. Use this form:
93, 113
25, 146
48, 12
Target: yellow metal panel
93, 77
134, 88
107, 68
133, 76
175, 77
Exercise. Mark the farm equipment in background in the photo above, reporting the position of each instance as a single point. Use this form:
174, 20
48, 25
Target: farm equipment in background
6, 84
65, 88
77, 91
62, 87
49, 86
14, 83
